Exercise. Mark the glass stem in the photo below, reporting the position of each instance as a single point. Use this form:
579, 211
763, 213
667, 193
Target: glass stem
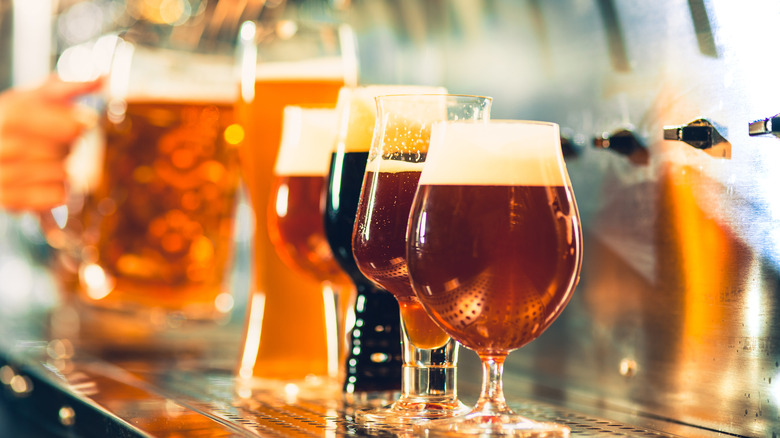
429, 375
491, 398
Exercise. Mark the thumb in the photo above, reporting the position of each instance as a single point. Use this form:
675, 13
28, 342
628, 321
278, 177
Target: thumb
55, 89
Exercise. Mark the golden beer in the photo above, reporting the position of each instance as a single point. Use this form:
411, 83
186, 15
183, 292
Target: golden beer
285, 337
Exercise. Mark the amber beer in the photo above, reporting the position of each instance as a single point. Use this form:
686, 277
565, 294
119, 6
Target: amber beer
297, 204
494, 251
158, 227
382, 258
285, 337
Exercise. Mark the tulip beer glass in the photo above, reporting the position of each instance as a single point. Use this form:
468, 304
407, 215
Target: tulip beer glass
397, 156
494, 252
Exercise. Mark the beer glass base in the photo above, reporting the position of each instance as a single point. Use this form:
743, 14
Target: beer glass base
480, 424
151, 332
309, 388
360, 400
409, 412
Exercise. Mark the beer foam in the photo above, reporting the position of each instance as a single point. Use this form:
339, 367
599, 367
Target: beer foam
316, 68
357, 112
142, 74
395, 166
308, 138
507, 152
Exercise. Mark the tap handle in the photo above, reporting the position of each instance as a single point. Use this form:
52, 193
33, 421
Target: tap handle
701, 134
769, 125
624, 142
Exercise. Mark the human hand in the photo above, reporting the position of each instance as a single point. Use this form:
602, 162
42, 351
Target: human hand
37, 129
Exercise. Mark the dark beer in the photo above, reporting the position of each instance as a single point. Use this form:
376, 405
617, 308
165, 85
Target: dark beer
344, 183
299, 233
377, 329
494, 264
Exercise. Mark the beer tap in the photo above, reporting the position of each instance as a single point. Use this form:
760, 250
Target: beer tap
624, 142
769, 125
701, 134
569, 145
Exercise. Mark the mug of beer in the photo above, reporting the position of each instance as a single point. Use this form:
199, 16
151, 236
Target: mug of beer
147, 230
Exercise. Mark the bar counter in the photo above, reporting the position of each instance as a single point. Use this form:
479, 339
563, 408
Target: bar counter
48, 385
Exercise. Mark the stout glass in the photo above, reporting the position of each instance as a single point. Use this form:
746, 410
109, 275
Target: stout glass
295, 213
494, 251
284, 63
394, 164
373, 363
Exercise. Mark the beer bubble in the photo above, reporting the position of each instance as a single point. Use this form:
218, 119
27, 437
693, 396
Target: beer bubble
190, 200
172, 242
143, 174
234, 134
202, 250
106, 206
183, 158
212, 171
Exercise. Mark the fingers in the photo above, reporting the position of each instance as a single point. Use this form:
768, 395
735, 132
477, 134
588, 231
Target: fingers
38, 197
37, 129
32, 184
36, 118
20, 149
54, 89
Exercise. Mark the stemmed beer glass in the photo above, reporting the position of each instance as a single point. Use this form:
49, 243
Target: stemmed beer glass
494, 248
396, 158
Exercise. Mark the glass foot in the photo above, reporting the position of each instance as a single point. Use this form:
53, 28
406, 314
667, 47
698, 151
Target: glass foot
479, 424
404, 412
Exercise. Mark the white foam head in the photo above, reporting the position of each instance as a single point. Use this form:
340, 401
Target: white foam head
507, 152
357, 112
308, 136
143, 74
406, 120
315, 68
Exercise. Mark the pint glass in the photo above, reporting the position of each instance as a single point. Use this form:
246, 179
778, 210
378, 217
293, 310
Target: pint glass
148, 226
284, 63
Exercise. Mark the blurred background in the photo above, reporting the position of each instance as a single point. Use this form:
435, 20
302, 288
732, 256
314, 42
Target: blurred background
666, 110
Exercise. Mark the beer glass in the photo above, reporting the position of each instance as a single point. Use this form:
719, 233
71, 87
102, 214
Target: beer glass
373, 364
395, 161
284, 63
295, 212
494, 251
148, 225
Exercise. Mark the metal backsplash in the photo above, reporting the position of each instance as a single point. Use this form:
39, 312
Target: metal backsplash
676, 314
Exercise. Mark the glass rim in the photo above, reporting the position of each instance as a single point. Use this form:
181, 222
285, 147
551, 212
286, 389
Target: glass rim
500, 122
396, 95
